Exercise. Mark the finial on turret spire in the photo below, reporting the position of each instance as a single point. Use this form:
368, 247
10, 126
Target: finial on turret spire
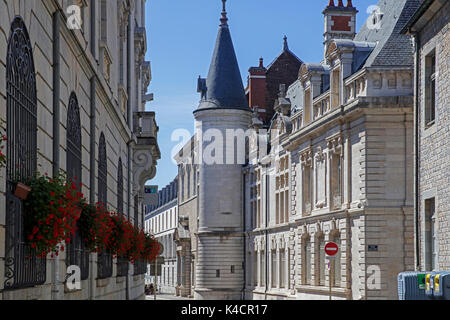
285, 44
224, 19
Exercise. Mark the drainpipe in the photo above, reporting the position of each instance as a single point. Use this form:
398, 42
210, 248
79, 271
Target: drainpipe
244, 236
93, 117
129, 155
56, 127
130, 125
92, 130
129, 68
416, 150
266, 260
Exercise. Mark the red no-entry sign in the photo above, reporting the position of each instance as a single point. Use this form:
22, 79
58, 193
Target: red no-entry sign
331, 248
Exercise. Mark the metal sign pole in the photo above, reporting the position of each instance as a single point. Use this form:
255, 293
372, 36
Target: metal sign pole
156, 276
329, 274
331, 249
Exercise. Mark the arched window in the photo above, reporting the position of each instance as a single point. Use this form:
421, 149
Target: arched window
21, 270
73, 140
104, 258
76, 255
102, 171
120, 188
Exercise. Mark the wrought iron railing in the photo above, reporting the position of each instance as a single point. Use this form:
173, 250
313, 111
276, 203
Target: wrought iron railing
22, 267
77, 255
122, 266
140, 267
104, 265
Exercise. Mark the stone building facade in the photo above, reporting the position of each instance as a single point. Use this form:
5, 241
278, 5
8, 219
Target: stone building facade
72, 95
161, 220
339, 168
186, 234
430, 27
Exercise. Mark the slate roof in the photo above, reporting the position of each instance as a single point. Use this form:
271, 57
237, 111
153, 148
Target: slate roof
393, 49
224, 88
285, 50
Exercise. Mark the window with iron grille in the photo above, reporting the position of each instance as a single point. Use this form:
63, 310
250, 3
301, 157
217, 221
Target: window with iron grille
102, 171
140, 267
120, 187
122, 266
105, 261
22, 267
76, 253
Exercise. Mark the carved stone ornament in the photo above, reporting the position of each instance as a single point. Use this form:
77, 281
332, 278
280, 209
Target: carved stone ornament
336, 146
306, 158
144, 168
319, 154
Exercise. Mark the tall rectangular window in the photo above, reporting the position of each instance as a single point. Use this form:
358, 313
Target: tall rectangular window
306, 185
277, 211
289, 268
431, 240
286, 201
336, 181
103, 20
336, 88
262, 269
282, 191
255, 268
321, 261
336, 264
274, 268
307, 109
430, 89
306, 262
282, 268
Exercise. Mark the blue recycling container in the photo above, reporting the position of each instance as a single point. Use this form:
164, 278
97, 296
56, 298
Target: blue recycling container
411, 286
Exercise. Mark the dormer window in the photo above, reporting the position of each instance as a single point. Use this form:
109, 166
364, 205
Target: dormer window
336, 88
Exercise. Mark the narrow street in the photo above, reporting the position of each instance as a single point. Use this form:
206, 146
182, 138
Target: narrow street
165, 296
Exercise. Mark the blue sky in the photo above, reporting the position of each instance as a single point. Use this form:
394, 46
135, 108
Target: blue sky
181, 35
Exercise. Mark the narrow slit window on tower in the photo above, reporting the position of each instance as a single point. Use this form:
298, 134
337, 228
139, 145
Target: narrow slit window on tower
430, 89
217, 273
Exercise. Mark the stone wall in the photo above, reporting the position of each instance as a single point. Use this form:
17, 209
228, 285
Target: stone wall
77, 67
434, 171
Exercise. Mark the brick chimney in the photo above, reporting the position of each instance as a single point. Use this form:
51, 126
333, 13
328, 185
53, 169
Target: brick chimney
340, 22
257, 89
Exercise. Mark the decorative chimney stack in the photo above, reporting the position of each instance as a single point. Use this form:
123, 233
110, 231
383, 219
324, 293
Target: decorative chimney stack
340, 22
257, 89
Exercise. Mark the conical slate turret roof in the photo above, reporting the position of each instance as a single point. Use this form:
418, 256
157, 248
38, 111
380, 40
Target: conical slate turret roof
223, 89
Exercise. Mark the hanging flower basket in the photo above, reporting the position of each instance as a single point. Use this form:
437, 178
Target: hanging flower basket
51, 212
22, 191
